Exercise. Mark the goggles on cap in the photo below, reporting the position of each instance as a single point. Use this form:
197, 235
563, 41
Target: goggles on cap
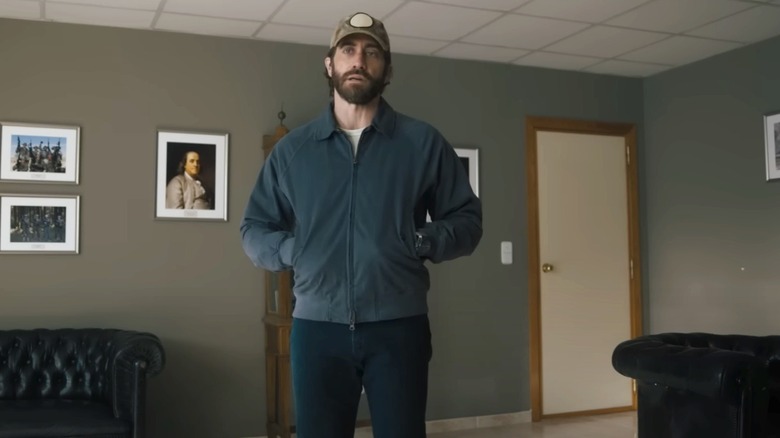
361, 20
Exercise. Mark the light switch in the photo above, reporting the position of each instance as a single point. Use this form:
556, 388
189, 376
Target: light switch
506, 253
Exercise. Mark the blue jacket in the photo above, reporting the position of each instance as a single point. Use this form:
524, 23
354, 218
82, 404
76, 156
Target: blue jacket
346, 224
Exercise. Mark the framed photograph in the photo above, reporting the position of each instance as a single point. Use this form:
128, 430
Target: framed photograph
39, 153
39, 224
470, 159
772, 145
191, 175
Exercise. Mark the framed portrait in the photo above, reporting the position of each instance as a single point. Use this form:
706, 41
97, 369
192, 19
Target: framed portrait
469, 157
772, 145
39, 224
39, 153
191, 176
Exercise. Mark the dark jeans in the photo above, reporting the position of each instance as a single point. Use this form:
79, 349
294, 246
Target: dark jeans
330, 364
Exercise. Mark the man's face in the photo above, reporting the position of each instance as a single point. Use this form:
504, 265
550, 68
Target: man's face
357, 69
192, 164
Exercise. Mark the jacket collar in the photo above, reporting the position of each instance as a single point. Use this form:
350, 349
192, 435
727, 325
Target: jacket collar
383, 122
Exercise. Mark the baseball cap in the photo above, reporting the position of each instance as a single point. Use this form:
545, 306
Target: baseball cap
360, 22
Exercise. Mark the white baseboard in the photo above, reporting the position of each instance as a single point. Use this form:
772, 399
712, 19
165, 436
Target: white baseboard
464, 423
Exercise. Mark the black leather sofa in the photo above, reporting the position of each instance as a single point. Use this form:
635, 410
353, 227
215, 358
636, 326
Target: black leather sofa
88, 383
699, 385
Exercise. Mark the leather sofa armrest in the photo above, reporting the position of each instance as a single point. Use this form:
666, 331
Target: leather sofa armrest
706, 371
136, 356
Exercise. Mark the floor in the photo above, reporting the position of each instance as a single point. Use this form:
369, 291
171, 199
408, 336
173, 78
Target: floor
621, 425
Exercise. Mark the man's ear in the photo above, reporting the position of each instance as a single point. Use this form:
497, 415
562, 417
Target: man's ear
389, 74
329, 66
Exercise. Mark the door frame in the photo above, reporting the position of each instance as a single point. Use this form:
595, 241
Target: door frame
533, 125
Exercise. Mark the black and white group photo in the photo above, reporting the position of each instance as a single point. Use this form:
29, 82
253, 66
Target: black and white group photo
44, 224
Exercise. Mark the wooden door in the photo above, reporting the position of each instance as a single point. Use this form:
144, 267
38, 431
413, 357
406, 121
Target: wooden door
584, 294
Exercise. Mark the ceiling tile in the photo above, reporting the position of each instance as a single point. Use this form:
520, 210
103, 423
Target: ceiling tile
481, 53
592, 11
258, 10
524, 32
677, 16
555, 60
99, 16
680, 50
328, 13
605, 42
626, 68
148, 5
639, 36
414, 46
747, 27
295, 34
428, 20
206, 25
20, 9
497, 5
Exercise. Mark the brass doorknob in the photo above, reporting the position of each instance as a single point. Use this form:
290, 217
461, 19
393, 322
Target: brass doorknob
547, 267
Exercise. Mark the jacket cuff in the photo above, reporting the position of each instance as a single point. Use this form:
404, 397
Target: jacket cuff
424, 244
286, 251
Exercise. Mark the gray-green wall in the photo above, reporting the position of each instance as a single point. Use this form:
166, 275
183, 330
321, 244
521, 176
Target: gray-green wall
189, 282
711, 216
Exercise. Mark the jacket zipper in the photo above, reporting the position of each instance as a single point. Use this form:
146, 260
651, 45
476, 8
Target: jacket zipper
351, 254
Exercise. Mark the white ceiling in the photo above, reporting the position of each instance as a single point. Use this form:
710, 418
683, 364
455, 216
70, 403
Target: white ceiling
620, 37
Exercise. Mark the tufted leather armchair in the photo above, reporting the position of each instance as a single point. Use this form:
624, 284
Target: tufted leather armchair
88, 383
699, 385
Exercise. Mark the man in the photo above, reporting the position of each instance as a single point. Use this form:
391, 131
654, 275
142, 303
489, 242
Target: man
185, 190
342, 200
22, 157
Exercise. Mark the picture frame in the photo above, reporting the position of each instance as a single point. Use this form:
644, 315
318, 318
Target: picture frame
34, 224
470, 159
183, 191
772, 145
44, 153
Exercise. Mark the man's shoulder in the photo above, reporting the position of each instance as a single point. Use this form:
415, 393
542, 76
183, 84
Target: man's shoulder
302, 132
311, 131
407, 123
418, 131
177, 179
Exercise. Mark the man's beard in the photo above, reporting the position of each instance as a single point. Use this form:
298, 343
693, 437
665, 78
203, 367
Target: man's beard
359, 93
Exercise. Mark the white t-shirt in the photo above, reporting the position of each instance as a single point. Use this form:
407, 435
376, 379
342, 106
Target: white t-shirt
354, 137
